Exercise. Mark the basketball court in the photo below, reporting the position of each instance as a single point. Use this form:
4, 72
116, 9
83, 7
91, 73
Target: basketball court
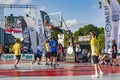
65, 71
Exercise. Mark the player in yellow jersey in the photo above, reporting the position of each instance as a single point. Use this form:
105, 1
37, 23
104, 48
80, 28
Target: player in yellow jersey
95, 54
48, 54
17, 51
1, 51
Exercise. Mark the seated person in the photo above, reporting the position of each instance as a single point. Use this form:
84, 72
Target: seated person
104, 58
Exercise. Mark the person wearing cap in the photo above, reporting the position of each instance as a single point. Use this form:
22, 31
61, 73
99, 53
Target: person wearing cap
114, 53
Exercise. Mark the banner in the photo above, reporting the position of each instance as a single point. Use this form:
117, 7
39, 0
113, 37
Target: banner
29, 33
108, 25
61, 39
115, 19
42, 40
33, 39
25, 32
44, 16
115, 7
46, 29
23, 57
2, 22
41, 34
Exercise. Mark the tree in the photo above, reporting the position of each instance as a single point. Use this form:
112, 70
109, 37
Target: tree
109, 2
55, 33
101, 38
86, 31
76, 34
101, 30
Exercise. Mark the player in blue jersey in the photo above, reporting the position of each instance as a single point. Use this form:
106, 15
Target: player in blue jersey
53, 49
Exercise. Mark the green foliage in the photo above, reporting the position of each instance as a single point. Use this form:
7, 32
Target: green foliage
117, 0
86, 31
108, 2
77, 33
55, 33
66, 40
101, 30
101, 40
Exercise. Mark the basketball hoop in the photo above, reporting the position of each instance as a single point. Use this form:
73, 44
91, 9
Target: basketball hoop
50, 26
54, 20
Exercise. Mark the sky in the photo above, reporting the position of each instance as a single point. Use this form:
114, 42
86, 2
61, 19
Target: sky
76, 13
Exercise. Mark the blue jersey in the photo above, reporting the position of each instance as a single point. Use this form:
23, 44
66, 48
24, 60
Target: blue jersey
53, 45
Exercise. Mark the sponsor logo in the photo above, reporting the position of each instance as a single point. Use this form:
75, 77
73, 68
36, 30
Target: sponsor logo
108, 27
31, 29
115, 17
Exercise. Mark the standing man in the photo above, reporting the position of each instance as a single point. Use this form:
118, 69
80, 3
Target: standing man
17, 51
114, 52
95, 54
77, 51
53, 49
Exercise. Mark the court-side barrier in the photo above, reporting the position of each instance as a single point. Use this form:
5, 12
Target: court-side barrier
23, 56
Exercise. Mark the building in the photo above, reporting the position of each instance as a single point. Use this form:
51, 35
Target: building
5, 38
84, 42
1, 36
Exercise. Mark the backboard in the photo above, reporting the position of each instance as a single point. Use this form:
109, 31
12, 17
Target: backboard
55, 19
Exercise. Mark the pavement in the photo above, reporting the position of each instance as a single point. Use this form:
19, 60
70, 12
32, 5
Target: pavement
65, 71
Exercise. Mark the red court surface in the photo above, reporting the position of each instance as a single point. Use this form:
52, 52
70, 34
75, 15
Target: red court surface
25, 68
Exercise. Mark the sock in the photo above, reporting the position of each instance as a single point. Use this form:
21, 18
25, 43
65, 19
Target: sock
96, 72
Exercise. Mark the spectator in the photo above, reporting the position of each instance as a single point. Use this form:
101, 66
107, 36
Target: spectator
77, 51
60, 52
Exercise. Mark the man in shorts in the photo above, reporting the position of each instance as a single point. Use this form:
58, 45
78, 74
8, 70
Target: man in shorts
17, 51
114, 53
95, 54
53, 49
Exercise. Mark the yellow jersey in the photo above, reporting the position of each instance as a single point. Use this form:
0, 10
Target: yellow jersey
1, 50
94, 46
47, 47
17, 49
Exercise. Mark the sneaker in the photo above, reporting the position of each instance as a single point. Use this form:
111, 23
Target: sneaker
117, 65
57, 64
15, 66
38, 63
95, 76
101, 73
54, 65
46, 63
51, 64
